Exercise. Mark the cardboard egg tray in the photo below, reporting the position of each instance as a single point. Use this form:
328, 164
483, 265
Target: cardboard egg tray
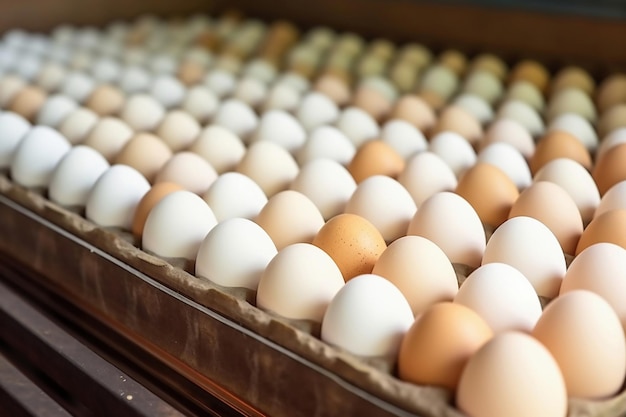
213, 336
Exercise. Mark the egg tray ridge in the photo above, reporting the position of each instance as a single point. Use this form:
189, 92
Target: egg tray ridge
277, 366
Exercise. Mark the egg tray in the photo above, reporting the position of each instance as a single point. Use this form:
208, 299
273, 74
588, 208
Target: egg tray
212, 335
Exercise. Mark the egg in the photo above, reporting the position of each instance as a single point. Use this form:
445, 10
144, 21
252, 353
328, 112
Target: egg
178, 130
528, 245
281, 128
201, 103
508, 159
77, 125
367, 317
299, 283
27, 102
374, 102
142, 112
457, 120
455, 150
571, 100
167, 90
156, 193
614, 198
483, 84
77, 85
357, 125
420, 270
375, 157
403, 137
106, 100
572, 76
106, 70
553, 206
609, 170
327, 142
559, 144
270, 166
439, 79
115, 196
135, 79
430, 356
37, 155
234, 194
327, 184
514, 375
611, 91
531, 71
235, 253
523, 113
449, 221
416, 111
502, 296
316, 109
510, 132
585, 337
13, 129
607, 227
353, 242
611, 120
250, 91
55, 109
177, 225
281, 96
475, 106
334, 88
489, 62
220, 81
236, 116
576, 181
75, 175
426, 174
527, 92
146, 153
290, 217
188, 169
578, 127
108, 136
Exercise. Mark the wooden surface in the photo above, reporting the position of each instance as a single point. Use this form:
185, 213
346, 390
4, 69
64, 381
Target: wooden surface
598, 44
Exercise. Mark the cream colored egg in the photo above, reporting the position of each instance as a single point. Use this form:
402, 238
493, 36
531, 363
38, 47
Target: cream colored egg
108, 136
270, 166
483, 84
527, 92
178, 129
189, 170
77, 125
523, 113
201, 103
476, 106
571, 100
220, 147
440, 80
238, 117
511, 132
426, 174
455, 150
403, 137
327, 142
316, 109
614, 198
235, 195
142, 112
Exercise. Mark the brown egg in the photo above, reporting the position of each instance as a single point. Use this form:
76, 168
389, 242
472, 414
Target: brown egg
490, 63
611, 91
148, 201
490, 191
353, 242
416, 111
106, 100
146, 153
343, 74
373, 102
573, 77
559, 144
455, 60
612, 119
610, 168
434, 100
28, 101
608, 227
531, 71
552, 206
375, 157
437, 346
455, 119
334, 87
190, 72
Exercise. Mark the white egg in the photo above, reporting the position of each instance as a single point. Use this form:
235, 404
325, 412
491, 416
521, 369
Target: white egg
168, 90
235, 253
357, 125
476, 106
77, 125
270, 166
201, 103
13, 129
142, 112
315, 110
509, 160
55, 109
134, 79
426, 174
234, 194
189, 170
455, 150
236, 116
524, 114
77, 86
403, 137
281, 128
220, 81
327, 142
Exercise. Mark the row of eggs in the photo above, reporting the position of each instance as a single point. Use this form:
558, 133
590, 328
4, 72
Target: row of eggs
339, 322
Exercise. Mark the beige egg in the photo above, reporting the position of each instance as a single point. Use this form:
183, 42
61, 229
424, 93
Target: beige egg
612, 119
189, 170
108, 136
573, 77
178, 129
415, 111
106, 100
511, 132
610, 169
455, 60
218, 145
375, 157
611, 91
76, 126
10, 85
527, 92
571, 100
27, 102
269, 165
146, 153
491, 63
455, 119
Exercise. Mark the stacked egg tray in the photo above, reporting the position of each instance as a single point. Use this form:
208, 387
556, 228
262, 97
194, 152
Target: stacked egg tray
271, 209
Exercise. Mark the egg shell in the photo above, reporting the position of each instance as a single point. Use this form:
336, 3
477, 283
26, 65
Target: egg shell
576, 181
573, 76
455, 60
106, 100
281, 96
584, 335
512, 375
327, 142
75, 175
177, 225
201, 103
484, 84
531, 71
456, 119
611, 120
37, 155
77, 85
571, 100
353, 242
115, 196
416, 111
108, 136
334, 88
142, 112
234, 194
188, 169
270, 166
178, 130
511, 132
290, 217
10, 85
375, 157
577, 126
167, 90
281, 128
77, 125
220, 147
236, 116
430, 356
527, 92
614, 198
156, 193
476, 106
455, 150
327, 184
529, 246
509, 160
385, 203
13, 129
105, 70
367, 317
299, 283
404, 75
403, 137
135, 79
27, 102
610, 169
449, 221
190, 72
357, 125
523, 113
490, 192
440, 80
146, 153
502, 296
559, 144
420, 270
235, 253
220, 81
56, 108
553, 206
611, 91
607, 227
489, 62
426, 174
